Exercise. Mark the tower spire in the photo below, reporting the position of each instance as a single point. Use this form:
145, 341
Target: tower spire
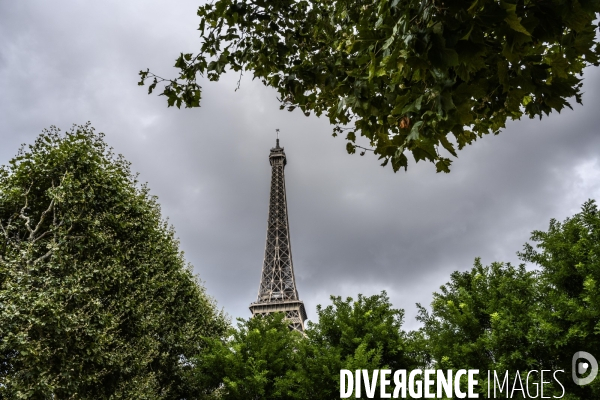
277, 291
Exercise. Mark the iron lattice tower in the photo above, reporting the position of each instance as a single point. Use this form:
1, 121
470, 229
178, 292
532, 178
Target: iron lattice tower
277, 291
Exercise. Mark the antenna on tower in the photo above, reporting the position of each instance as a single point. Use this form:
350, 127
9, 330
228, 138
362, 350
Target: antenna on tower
277, 131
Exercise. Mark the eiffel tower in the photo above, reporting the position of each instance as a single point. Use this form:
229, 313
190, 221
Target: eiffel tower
277, 291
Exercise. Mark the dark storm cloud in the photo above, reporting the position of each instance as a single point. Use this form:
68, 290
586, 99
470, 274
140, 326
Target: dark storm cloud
355, 227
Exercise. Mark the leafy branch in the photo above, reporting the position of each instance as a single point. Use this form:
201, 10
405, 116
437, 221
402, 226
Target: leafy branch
412, 76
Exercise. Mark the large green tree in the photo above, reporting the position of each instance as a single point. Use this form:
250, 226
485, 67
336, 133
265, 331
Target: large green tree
258, 361
505, 318
487, 319
96, 300
264, 359
361, 333
411, 76
568, 256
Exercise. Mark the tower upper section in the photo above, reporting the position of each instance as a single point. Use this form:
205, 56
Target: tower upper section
277, 281
277, 290
277, 157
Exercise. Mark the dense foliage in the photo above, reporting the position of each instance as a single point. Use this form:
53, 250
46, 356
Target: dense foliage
257, 361
365, 333
264, 359
411, 76
504, 318
96, 300
487, 319
497, 317
568, 255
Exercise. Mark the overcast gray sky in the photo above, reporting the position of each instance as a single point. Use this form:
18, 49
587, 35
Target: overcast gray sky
355, 227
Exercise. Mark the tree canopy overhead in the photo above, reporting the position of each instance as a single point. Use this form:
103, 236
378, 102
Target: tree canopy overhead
411, 76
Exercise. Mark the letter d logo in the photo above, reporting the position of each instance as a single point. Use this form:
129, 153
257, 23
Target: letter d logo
582, 367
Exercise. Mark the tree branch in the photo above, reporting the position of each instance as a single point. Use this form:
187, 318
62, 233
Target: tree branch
22, 213
45, 256
39, 224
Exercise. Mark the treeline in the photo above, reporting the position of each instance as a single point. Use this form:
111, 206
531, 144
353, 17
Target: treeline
97, 302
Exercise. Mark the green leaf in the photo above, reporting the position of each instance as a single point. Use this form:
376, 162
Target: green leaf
450, 57
350, 148
512, 19
414, 132
443, 165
